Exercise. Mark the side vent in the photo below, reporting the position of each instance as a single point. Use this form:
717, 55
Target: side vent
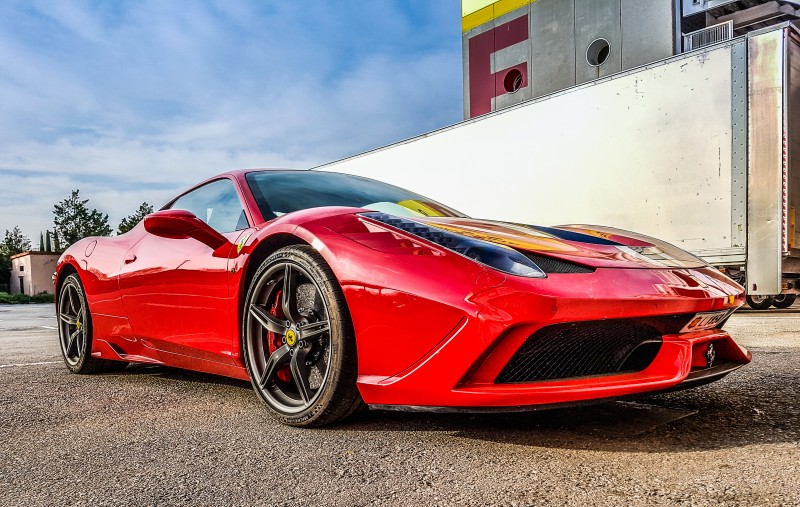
556, 266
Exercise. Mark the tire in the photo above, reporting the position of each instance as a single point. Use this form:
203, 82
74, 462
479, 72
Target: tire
75, 330
759, 302
298, 340
784, 300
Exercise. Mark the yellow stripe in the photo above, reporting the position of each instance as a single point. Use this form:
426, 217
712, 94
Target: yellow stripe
506, 6
470, 6
477, 18
488, 13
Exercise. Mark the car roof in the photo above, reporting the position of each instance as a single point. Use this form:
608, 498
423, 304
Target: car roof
241, 172
237, 174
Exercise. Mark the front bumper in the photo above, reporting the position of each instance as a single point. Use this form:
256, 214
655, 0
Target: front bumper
670, 370
461, 372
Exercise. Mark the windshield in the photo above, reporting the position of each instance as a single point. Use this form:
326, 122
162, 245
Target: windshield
281, 192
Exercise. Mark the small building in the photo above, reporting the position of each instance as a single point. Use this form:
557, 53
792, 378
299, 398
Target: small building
32, 272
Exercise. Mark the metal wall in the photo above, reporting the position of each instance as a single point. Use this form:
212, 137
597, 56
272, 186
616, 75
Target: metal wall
554, 51
648, 31
514, 26
596, 19
792, 105
766, 212
490, 51
553, 48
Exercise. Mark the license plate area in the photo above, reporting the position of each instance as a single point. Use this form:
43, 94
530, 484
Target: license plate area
706, 320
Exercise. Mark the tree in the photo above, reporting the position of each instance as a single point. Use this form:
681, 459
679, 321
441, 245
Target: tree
131, 221
47, 246
14, 242
5, 267
74, 220
41, 242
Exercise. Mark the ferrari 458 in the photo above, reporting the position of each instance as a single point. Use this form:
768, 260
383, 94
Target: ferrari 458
331, 293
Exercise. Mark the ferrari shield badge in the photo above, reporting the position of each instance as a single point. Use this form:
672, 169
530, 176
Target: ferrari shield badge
241, 242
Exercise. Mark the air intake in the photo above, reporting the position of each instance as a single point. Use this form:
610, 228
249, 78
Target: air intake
582, 349
551, 265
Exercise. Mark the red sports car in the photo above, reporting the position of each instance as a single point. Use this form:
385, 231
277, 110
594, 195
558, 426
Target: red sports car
332, 292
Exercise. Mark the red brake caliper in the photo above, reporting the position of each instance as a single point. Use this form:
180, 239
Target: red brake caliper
274, 339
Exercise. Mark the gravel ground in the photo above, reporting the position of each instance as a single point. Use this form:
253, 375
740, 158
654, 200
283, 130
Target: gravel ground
158, 436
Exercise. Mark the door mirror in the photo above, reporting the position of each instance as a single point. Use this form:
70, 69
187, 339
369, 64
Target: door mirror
180, 224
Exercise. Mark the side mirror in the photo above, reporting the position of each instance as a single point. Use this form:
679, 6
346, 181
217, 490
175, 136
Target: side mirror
179, 224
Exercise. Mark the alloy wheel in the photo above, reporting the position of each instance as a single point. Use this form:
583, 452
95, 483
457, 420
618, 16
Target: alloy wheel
72, 323
288, 333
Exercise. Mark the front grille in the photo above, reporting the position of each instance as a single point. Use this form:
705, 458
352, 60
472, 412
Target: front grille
581, 349
551, 265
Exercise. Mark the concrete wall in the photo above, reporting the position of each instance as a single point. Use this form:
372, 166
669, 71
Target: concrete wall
32, 272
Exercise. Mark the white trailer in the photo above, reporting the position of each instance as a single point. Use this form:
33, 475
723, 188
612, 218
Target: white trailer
701, 149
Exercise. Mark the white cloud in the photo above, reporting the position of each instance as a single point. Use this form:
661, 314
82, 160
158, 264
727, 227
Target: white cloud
127, 101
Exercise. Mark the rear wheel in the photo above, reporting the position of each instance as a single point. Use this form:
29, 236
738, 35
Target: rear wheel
75, 330
759, 302
784, 300
298, 340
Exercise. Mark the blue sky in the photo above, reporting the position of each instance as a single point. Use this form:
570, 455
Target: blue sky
134, 101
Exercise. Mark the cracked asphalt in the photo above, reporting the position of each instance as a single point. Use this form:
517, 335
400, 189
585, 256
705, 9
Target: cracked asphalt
159, 436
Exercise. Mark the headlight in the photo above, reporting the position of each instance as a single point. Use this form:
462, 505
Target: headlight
499, 257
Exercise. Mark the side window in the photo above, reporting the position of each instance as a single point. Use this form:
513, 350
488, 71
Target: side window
217, 204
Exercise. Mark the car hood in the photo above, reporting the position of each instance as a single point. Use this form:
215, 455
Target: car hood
590, 245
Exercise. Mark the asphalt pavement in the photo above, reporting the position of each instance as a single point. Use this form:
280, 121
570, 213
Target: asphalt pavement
159, 436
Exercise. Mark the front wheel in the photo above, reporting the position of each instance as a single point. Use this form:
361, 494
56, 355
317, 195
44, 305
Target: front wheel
759, 302
784, 300
298, 340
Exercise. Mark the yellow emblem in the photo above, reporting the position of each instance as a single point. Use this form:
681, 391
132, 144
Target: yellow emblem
291, 338
241, 242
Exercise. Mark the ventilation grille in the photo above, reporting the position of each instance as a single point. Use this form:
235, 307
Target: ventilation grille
550, 265
432, 234
708, 36
581, 349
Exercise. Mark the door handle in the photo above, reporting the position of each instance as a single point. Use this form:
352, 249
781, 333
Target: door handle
130, 258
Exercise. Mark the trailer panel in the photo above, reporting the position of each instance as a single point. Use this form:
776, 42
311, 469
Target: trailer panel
765, 210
